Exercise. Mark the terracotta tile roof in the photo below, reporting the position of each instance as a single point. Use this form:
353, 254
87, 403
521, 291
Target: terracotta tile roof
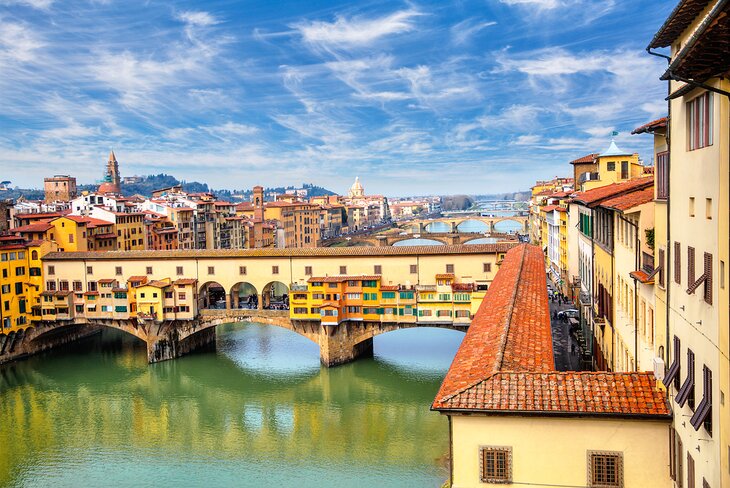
389, 287
137, 278
156, 284
185, 281
37, 227
588, 158
461, 286
596, 196
505, 364
499, 247
588, 393
518, 294
107, 280
651, 126
445, 276
41, 215
341, 278
549, 208
681, 17
630, 200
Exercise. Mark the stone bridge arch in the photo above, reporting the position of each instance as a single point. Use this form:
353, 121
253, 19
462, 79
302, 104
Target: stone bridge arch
275, 295
244, 295
212, 295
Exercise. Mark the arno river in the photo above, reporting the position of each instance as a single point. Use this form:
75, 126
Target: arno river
259, 411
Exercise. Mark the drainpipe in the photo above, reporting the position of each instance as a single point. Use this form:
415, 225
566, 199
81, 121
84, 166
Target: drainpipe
667, 244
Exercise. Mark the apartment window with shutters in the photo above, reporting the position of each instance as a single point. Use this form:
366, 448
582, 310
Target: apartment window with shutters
487, 267
678, 263
699, 121
274, 270
605, 469
118, 270
308, 271
179, 270
414, 268
242, 270
495, 464
449, 268
89, 270
378, 269
211, 270
662, 175
149, 270
51, 270
624, 170
343, 270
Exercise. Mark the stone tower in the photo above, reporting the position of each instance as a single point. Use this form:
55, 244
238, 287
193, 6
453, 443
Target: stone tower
112, 181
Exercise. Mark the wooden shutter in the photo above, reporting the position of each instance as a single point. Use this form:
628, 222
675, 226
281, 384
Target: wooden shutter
690, 265
662, 268
677, 263
708, 278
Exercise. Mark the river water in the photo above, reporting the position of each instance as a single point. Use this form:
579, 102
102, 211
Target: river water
259, 411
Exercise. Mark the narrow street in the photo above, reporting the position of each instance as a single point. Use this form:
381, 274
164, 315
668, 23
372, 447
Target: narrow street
565, 347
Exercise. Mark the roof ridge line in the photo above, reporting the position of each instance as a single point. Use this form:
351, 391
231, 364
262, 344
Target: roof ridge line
503, 342
508, 319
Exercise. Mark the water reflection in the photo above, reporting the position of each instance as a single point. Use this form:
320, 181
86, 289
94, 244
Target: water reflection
418, 242
259, 410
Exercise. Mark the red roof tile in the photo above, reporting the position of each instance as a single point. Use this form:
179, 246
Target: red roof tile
630, 200
587, 393
341, 278
651, 126
37, 227
505, 363
588, 158
596, 196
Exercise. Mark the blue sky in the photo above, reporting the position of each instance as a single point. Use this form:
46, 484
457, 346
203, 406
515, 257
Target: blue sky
413, 97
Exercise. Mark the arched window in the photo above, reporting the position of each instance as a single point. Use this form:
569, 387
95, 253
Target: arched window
34, 255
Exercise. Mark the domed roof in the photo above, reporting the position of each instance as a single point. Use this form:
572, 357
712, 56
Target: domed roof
613, 150
108, 187
356, 185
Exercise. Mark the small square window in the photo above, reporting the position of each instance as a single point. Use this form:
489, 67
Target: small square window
179, 270
605, 469
51, 270
414, 268
378, 269
487, 267
211, 270
274, 270
343, 270
495, 464
118, 270
89, 270
449, 268
149, 270
308, 271
242, 270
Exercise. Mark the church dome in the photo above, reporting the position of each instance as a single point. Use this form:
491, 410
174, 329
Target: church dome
108, 187
356, 185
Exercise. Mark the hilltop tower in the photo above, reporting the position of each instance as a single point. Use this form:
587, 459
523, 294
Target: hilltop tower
112, 181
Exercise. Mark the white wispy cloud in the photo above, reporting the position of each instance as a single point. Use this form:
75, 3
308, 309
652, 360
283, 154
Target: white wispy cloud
37, 4
18, 43
464, 30
356, 31
198, 18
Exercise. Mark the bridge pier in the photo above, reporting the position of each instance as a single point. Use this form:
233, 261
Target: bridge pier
454, 227
339, 345
168, 345
421, 228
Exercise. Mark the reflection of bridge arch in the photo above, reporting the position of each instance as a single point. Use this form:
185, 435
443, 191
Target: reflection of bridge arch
211, 295
275, 295
244, 295
421, 226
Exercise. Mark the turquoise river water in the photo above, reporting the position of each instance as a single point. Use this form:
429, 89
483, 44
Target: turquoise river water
259, 411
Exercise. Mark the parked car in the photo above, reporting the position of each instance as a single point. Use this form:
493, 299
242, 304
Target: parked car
571, 313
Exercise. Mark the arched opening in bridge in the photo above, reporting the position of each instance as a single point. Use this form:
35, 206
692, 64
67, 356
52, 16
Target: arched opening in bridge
508, 226
418, 242
275, 296
244, 295
472, 225
438, 227
418, 350
212, 296
483, 240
